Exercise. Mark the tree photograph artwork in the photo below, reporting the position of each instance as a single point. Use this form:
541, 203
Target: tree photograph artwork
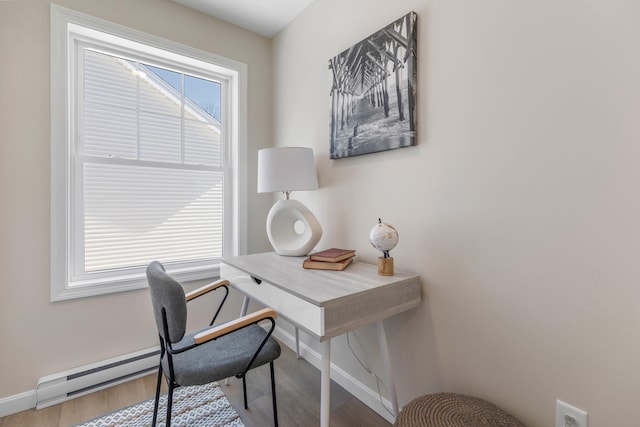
373, 92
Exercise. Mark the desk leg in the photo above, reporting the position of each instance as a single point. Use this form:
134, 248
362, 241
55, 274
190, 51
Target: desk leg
325, 382
386, 361
245, 306
297, 343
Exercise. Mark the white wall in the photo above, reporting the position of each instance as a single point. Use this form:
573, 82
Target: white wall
519, 206
39, 337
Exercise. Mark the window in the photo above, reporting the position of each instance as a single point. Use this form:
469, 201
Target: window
146, 157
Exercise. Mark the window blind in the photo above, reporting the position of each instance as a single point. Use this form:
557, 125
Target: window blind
151, 179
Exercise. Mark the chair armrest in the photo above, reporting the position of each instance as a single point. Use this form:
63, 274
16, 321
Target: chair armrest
206, 288
241, 322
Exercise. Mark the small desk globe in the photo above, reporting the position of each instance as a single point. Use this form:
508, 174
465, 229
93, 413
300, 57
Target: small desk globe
384, 237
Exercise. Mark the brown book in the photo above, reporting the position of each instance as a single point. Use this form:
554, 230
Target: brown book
332, 255
325, 265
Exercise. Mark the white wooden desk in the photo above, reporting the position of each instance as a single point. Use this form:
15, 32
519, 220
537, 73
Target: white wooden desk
324, 303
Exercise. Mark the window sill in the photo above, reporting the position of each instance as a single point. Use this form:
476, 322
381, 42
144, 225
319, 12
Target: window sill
111, 285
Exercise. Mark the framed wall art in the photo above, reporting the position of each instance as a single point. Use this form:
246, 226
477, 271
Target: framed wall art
373, 92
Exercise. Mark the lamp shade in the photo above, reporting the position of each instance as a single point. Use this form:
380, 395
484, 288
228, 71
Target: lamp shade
286, 169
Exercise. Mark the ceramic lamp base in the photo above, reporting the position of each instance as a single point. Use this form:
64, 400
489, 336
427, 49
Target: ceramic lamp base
385, 266
281, 228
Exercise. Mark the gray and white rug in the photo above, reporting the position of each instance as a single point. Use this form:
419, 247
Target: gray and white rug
195, 406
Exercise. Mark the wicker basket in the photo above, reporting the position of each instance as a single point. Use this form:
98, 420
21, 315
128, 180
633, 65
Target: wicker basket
453, 410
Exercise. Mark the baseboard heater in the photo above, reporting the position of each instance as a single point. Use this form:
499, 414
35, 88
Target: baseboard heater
66, 385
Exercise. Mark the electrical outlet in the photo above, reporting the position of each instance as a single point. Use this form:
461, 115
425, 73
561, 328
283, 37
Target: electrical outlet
569, 416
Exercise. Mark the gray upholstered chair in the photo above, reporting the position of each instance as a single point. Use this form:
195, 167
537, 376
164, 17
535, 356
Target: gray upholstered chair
210, 354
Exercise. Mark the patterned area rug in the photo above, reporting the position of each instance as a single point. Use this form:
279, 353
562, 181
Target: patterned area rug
196, 406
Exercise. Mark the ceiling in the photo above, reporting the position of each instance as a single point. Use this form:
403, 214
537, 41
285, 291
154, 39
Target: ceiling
265, 17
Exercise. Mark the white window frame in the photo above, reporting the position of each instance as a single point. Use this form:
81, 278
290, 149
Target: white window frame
67, 26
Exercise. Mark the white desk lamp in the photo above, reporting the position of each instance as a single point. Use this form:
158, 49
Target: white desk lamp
292, 229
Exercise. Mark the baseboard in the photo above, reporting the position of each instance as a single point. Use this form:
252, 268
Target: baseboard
363, 393
27, 400
72, 383
17, 403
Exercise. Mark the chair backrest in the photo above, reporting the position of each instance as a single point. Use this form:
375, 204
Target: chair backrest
167, 293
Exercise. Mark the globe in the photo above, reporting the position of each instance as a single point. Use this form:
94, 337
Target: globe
383, 237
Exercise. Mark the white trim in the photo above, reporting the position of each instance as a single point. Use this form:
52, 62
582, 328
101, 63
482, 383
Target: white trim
239, 159
53, 389
72, 16
17, 403
27, 400
60, 182
65, 385
62, 119
365, 394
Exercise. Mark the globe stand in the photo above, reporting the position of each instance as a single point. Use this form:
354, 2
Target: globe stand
385, 266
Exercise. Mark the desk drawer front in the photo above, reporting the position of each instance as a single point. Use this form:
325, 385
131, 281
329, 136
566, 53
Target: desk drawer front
305, 314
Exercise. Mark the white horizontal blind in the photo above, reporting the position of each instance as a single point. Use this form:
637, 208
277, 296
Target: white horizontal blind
149, 176
136, 214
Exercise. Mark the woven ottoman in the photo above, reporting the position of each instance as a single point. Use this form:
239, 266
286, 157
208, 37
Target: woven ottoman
453, 410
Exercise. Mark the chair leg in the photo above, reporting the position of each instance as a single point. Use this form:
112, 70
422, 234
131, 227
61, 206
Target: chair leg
155, 405
169, 403
244, 390
273, 395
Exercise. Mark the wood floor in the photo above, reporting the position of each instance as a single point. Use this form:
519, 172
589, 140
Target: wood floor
297, 391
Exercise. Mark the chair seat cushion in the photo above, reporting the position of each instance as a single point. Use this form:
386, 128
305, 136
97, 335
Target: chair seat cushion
453, 410
220, 358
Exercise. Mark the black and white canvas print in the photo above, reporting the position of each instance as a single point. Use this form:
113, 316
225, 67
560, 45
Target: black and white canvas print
373, 92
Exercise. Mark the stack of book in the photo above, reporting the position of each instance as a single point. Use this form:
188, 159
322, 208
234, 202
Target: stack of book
330, 259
